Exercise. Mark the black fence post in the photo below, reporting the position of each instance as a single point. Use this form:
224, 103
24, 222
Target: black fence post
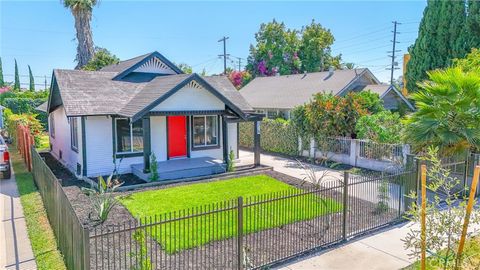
465, 175
345, 205
240, 232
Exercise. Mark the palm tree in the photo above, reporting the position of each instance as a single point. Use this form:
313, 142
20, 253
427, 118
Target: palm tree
82, 12
448, 114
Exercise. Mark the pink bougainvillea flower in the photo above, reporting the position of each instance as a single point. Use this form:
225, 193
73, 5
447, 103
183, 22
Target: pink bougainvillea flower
270, 55
4, 89
262, 68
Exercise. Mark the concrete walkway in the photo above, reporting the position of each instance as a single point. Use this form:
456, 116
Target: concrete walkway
287, 166
15, 248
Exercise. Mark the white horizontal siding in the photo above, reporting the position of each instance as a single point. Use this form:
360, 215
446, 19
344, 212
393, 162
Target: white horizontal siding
100, 148
61, 141
188, 99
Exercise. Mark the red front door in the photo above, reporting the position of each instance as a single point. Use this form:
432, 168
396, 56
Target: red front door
177, 136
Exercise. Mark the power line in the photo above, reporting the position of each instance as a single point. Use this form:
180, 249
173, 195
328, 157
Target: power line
362, 35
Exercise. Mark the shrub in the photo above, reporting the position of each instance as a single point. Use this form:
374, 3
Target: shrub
383, 127
277, 136
153, 168
102, 197
230, 162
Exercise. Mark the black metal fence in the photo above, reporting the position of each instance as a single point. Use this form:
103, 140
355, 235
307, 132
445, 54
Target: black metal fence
254, 232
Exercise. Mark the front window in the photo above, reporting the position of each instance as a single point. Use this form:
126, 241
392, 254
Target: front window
74, 133
129, 137
205, 131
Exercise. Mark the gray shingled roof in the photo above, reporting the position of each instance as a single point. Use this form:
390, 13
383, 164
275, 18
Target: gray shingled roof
124, 65
288, 91
95, 93
380, 89
42, 107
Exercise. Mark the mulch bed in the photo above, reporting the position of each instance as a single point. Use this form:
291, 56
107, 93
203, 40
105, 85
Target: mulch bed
119, 250
128, 179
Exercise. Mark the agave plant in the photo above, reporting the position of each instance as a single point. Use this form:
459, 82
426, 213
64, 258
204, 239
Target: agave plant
102, 197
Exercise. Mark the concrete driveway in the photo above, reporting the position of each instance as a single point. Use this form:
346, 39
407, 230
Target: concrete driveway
287, 166
15, 249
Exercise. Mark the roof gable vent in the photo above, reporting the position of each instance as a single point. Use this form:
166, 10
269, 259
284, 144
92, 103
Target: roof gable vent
155, 65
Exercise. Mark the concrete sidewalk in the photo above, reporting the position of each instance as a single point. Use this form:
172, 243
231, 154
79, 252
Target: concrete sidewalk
382, 251
15, 248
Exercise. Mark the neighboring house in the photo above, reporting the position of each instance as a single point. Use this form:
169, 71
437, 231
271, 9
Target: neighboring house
276, 96
117, 117
392, 98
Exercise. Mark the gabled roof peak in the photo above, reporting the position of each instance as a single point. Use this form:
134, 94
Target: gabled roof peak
153, 62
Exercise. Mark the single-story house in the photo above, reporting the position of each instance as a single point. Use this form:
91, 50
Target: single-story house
115, 118
276, 96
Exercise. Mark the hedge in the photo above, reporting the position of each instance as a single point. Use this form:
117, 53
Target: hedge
278, 136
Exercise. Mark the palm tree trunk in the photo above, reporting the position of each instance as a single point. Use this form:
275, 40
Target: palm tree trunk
85, 48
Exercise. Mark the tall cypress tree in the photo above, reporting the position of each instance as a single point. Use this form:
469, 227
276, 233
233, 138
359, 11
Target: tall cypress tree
473, 25
442, 37
16, 84
32, 82
2, 82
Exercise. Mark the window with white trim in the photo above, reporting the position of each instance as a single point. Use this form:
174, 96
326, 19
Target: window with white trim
74, 133
129, 136
205, 131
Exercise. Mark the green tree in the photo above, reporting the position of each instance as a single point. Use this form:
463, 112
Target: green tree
101, 58
446, 32
371, 101
315, 47
473, 25
315, 50
2, 82
382, 127
448, 112
82, 13
16, 84
187, 69
32, 81
470, 62
288, 51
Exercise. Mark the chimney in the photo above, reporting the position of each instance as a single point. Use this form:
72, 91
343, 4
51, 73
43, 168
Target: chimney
330, 71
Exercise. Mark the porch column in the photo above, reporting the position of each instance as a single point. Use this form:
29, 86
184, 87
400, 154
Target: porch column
256, 143
225, 140
146, 144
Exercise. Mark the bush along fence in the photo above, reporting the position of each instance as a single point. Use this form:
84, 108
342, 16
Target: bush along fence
281, 137
245, 233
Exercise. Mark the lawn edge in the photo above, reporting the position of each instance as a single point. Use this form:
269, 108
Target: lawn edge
43, 241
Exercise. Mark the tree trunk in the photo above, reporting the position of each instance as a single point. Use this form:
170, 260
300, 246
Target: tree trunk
85, 48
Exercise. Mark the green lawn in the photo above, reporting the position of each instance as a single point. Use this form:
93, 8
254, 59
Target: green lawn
40, 233
471, 258
179, 235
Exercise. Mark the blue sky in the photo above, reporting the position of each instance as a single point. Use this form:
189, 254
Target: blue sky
41, 33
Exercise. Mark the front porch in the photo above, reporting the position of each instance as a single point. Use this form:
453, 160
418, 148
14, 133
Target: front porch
182, 168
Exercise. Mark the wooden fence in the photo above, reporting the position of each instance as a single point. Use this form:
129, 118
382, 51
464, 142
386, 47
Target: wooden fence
24, 141
72, 238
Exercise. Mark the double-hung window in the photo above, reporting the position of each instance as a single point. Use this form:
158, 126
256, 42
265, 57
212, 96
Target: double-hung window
205, 131
74, 133
129, 136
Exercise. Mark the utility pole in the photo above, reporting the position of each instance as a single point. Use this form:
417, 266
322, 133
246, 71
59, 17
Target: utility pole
224, 55
239, 59
45, 82
394, 64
